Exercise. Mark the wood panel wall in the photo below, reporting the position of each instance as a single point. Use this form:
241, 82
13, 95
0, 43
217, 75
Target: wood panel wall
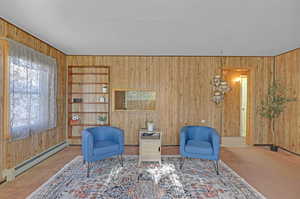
288, 125
183, 91
21, 150
1, 113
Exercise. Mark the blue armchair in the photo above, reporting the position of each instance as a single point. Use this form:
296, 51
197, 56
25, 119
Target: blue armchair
200, 142
102, 142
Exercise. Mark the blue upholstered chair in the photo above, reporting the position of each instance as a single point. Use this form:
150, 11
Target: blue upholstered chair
102, 142
200, 142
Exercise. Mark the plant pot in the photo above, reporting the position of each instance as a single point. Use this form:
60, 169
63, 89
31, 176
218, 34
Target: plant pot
150, 126
274, 148
102, 122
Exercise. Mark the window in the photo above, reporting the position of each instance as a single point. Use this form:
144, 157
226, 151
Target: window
32, 91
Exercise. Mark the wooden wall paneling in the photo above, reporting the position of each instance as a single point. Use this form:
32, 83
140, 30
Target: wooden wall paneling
2, 153
2, 28
183, 90
263, 78
4, 103
213, 108
181, 84
288, 124
21, 150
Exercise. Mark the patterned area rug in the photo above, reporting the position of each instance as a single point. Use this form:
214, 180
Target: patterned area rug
109, 180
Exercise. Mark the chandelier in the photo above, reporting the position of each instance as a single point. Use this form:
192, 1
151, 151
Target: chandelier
220, 87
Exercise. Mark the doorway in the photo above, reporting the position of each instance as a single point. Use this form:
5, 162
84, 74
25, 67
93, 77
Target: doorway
243, 105
235, 114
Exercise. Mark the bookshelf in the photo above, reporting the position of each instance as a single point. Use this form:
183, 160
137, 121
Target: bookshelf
88, 98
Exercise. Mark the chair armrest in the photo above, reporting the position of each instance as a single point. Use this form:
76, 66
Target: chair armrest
215, 140
87, 145
183, 137
118, 135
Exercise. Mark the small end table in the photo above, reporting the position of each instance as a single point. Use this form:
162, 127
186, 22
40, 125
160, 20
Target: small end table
150, 145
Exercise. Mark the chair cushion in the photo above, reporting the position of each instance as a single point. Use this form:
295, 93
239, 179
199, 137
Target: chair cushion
198, 147
102, 147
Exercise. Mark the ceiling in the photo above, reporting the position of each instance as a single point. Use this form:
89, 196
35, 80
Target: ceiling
160, 27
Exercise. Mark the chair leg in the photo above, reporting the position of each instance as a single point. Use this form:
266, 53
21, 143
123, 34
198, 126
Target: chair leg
121, 159
181, 162
216, 165
88, 170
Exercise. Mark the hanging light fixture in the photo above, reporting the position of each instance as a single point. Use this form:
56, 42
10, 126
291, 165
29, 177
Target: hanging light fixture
220, 87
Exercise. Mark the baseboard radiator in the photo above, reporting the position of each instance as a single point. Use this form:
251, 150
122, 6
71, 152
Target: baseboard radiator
10, 174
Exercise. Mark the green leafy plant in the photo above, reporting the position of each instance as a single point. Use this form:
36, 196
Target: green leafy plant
274, 104
102, 118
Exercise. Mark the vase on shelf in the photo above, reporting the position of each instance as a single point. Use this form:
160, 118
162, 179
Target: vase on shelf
104, 89
102, 99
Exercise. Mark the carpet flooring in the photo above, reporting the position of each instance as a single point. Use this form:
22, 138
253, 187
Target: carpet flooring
109, 180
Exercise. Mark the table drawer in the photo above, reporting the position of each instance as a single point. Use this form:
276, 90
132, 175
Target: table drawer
154, 150
150, 147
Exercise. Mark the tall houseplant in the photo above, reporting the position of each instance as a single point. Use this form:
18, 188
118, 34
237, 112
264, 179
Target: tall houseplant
273, 105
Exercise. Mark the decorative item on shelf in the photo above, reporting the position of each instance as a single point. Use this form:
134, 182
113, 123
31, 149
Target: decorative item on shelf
102, 119
102, 99
77, 100
220, 87
150, 126
272, 107
75, 119
104, 89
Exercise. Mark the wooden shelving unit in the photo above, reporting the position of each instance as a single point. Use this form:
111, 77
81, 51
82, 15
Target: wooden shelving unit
85, 83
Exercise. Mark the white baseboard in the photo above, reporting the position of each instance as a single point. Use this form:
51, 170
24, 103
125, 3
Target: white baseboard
11, 173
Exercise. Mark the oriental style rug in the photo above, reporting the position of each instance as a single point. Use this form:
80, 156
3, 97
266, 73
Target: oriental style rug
108, 180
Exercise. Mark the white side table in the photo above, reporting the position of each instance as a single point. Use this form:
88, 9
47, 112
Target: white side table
150, 146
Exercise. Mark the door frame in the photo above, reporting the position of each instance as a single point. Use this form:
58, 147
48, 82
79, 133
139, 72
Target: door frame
250, 101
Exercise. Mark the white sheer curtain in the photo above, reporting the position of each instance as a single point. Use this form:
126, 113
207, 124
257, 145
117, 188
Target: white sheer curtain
33, 77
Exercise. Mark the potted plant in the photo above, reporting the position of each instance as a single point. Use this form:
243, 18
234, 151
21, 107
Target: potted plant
150, 125
102, 119
272, 106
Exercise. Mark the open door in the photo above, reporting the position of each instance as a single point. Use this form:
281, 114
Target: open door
243, 106
236, 120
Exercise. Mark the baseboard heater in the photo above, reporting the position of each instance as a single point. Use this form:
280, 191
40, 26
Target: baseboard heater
10, 174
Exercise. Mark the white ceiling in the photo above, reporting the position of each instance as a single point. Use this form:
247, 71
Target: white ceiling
160, 27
